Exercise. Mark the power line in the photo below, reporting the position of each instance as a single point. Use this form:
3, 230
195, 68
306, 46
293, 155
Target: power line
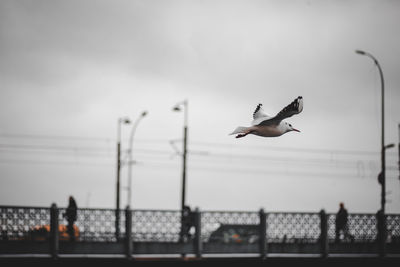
76, 138
258, 171
51, 147
24, 161
202, 143
56, 137
89, 151
294, 149
109, 149
195, 167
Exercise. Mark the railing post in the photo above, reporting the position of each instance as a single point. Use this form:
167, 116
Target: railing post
54, 235
324, 234
381, 238
197, 240
128, 233
263, 234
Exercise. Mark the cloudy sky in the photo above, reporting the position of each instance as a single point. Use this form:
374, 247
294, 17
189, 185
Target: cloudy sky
70, 69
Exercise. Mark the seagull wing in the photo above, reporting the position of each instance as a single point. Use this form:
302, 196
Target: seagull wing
293, 108
259, 115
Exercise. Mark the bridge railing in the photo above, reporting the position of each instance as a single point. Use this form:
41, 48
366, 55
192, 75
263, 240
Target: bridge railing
208, 232
361, 227
293, 227
16, 223
393, 228
156, 225
212, 221
94, 225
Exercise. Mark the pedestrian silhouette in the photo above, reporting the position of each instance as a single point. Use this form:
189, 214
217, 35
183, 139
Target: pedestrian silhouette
187, 223
342, 224
71, 216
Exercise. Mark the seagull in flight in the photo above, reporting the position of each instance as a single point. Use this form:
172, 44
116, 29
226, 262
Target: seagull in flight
267, 126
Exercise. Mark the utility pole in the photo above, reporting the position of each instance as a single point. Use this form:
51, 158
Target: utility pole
382, 175
130, 161
184, 167
118, 187
383, 193
177, 107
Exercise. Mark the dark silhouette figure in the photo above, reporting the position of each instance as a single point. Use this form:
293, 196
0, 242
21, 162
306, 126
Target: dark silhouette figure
71, 216
341, 224
381, 226
187, 223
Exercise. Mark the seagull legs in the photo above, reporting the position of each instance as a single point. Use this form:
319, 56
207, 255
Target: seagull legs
243, 134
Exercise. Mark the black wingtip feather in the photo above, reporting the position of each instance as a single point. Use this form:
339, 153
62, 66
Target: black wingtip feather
257, 109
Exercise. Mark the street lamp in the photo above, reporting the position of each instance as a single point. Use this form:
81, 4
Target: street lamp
382, 174
124, 120
389, 146
178, 107
130, 162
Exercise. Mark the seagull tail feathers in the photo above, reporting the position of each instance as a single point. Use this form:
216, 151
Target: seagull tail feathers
239, 129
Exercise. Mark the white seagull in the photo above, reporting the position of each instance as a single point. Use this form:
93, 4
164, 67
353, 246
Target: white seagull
267, 126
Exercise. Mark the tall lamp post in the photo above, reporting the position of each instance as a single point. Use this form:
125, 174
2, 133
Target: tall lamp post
130, 162
382, 175
178, 107
121, 121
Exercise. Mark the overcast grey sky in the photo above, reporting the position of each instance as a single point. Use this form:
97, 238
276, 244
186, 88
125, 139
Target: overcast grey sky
70, 69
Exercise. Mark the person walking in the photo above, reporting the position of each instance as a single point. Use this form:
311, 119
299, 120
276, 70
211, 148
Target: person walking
342, 223
187, 224
71, 216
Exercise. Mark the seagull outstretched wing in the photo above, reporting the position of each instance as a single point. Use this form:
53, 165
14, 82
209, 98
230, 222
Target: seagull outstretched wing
259, 115
293, 108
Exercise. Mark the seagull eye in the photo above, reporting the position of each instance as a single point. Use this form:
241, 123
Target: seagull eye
290, 125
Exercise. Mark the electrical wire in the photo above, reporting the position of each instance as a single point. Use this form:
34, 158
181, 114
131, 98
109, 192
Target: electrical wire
204, 156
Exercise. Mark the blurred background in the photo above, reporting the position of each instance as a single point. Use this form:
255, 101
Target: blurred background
70, 70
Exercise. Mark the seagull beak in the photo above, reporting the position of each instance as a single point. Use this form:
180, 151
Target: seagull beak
296, 130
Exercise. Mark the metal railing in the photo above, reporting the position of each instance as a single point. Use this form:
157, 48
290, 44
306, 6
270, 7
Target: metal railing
158, 232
